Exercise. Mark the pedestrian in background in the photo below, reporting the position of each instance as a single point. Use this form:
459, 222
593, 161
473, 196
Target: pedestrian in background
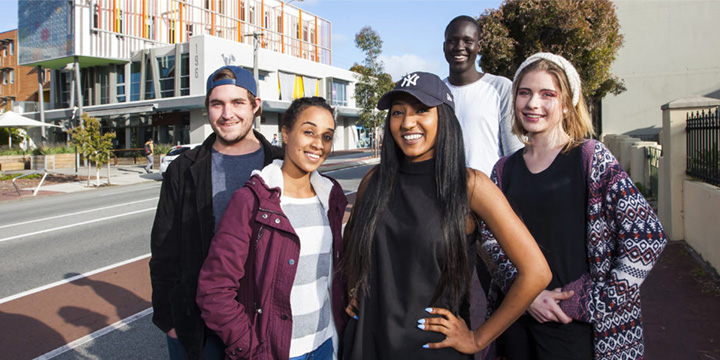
410, 241
274, 141
267, 287
149, 153
194, 194
597, 232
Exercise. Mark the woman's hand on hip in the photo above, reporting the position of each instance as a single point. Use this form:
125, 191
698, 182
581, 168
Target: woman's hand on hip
458, 336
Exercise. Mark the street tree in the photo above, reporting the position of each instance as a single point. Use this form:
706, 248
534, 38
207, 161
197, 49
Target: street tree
372, 83
92, 144
584, 32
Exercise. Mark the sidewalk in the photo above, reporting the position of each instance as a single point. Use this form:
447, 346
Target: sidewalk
135, 174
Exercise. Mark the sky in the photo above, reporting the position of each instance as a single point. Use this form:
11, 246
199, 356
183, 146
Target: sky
411, 30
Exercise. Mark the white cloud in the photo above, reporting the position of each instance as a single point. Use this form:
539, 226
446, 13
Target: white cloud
398, 66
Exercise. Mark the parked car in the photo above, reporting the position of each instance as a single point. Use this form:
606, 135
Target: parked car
174, 152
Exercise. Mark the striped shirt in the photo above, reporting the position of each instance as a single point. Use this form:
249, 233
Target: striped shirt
310, 294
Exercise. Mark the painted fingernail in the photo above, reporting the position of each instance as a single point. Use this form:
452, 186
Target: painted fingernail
355, 316
421, 321
428, 310
421, 326
426, 346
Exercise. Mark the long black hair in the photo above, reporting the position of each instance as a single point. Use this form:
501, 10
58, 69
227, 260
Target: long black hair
451, 180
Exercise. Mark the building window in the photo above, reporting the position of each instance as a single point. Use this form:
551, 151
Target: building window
96, 15
119, 21
12, 76
135, 77
185, 77
166, 65
150, 27
120, 81
339, 93
149, 84
10, 45
5, 77
103, 78
171, 31
65, 88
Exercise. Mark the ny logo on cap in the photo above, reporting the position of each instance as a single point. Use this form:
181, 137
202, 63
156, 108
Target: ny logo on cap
410, 80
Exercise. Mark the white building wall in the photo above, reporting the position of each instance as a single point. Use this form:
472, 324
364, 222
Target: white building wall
208, 53
670, 52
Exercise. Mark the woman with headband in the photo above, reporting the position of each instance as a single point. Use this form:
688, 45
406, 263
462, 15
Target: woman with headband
597, 232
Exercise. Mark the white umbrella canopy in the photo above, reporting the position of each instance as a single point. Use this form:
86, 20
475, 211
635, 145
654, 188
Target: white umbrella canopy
11, 119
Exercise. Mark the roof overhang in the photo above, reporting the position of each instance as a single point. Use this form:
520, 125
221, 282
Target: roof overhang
153, 106
84, 61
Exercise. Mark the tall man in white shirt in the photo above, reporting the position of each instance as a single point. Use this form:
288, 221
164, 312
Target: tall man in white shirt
483, 102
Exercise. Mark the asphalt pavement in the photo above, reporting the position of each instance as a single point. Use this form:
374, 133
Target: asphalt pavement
134, 174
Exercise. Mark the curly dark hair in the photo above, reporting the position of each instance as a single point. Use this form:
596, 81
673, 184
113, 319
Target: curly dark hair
299, 105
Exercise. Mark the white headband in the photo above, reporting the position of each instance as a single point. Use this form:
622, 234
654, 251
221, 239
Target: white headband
561, 62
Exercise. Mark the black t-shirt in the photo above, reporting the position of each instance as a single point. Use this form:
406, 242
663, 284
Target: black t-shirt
553, 204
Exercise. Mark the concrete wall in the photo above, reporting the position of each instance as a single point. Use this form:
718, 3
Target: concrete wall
632, 154
670, 51
702, 229
673, 162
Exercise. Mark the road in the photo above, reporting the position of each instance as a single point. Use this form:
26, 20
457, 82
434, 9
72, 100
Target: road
74, 280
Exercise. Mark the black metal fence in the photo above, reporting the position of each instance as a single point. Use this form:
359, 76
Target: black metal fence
703, 152
652, 155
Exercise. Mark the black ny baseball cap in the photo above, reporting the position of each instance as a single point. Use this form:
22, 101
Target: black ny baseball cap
243, 79
426, 87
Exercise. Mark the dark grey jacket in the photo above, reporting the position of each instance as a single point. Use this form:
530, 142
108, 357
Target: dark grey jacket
180, 239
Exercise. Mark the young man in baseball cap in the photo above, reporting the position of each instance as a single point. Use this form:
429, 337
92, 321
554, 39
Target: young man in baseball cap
196, 189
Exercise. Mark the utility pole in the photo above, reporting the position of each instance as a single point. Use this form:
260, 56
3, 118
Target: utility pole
41, 79
256, 72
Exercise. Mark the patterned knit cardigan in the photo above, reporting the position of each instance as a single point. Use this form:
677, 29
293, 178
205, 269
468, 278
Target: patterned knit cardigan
624, 240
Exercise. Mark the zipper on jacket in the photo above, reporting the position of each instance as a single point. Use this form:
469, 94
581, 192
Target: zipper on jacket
272, 212
260, 232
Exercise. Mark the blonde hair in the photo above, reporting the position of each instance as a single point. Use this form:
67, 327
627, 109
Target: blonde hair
576, 122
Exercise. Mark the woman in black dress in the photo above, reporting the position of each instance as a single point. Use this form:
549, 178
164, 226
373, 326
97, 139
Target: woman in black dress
409, 243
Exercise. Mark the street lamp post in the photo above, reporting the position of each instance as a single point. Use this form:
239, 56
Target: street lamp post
256, 72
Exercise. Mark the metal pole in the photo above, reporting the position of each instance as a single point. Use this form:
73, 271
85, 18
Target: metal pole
79, 88
256, 73
41, 102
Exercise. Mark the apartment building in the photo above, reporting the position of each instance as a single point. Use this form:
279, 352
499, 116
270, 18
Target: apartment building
18, 84
141, 65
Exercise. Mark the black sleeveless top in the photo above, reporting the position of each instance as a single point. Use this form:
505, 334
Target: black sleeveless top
553, 206
406, 268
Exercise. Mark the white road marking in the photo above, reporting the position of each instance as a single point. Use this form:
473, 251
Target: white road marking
76, 213
76, 224
127, 191
87, 338
69, 280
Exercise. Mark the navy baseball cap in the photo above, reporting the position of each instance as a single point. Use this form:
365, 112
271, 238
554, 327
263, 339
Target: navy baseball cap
243, 79
426, 87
